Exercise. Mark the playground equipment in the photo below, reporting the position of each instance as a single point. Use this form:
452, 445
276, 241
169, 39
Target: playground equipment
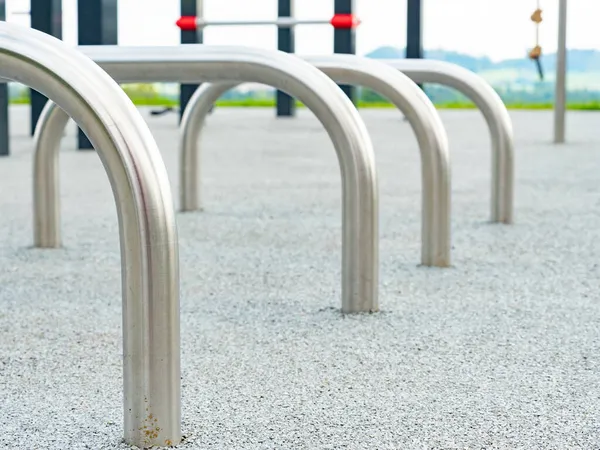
495, 113
414, 104
97, 22
198, 63
341, 21
150, 262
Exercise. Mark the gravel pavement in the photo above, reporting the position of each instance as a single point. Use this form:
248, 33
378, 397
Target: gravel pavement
500, 351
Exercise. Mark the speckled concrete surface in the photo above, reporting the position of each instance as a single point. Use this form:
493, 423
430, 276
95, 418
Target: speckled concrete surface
500, 351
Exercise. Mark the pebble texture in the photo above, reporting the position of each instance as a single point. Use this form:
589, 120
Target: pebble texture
500, 351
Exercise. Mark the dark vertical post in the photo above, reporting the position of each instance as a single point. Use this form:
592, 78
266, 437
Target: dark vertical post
286, 105
189, 8
344, 40
4, 129
97, 25
46, 16
414, 29
4, 138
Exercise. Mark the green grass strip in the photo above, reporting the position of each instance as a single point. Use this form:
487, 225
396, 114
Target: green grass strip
270, 103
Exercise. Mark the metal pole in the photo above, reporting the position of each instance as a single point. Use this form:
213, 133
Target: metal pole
97, 25
4, 99
495, 113
193, 63
414, 30
190, 8
286, 105
386, 81
281, 22
46, 16
560, 101
344, 40
148, 234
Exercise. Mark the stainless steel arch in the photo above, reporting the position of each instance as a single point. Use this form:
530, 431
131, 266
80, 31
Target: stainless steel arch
490, 104
406, 95
149, 252
196, 63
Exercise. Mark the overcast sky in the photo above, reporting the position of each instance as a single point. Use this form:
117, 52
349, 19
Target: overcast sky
496, 28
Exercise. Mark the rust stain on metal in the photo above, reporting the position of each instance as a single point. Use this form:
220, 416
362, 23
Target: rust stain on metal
151, 430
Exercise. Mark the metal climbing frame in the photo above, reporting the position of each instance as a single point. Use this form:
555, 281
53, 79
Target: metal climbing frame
344, 40
406, 95
495, 113
150, 263
199, 63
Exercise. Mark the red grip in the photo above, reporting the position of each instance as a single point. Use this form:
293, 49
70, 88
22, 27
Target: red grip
187, 23
344, 21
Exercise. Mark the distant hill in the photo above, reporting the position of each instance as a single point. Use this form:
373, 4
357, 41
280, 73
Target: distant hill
467, 61
516, 80
577, 60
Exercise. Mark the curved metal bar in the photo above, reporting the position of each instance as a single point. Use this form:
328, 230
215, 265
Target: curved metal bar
46, 199
190, 129
400, 90
495, 113
148, 236
197, 63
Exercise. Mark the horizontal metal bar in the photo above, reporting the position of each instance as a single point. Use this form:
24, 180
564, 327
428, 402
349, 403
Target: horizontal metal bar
283, 22
190, 23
